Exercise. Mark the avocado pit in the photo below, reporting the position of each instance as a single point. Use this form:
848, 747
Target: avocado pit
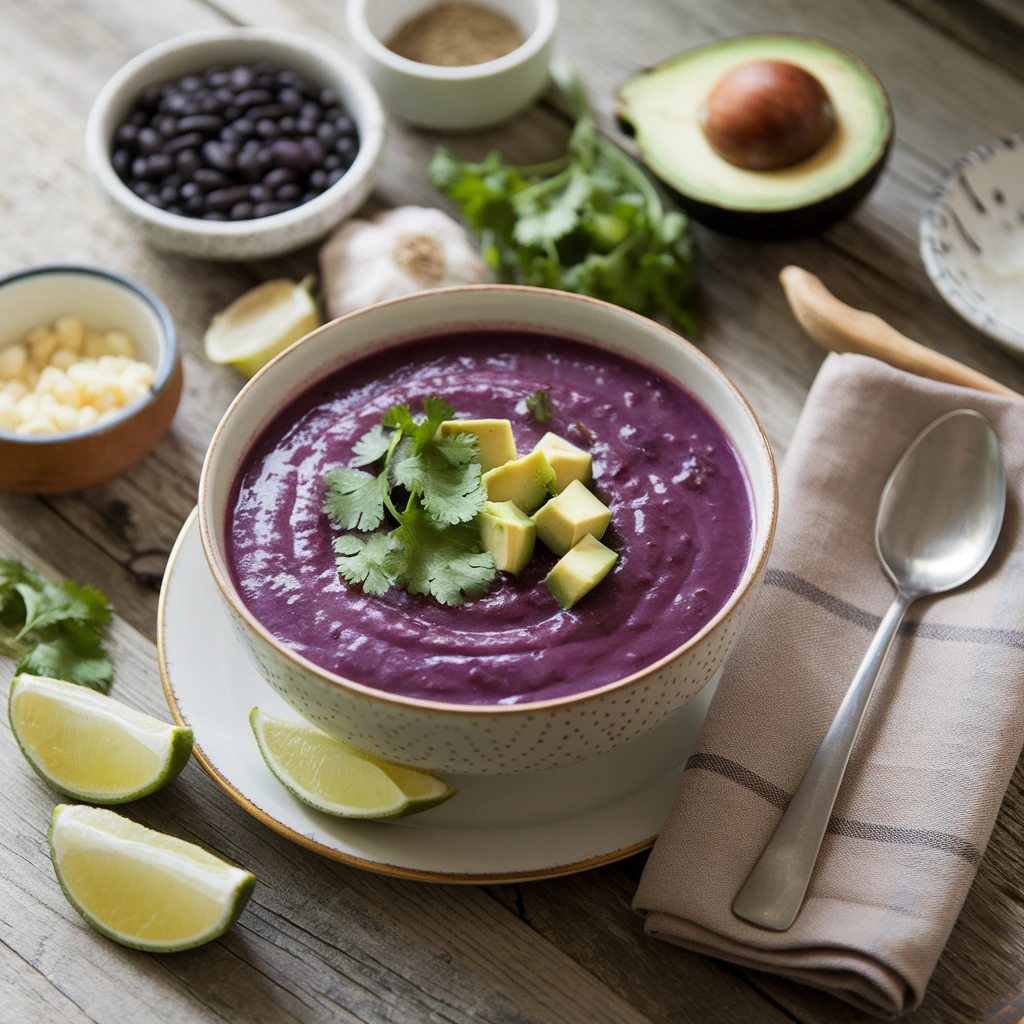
767, 114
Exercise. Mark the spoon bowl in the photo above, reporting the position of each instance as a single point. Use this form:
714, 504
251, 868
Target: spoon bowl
942, 509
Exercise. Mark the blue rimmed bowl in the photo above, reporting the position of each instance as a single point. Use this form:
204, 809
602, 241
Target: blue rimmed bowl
76, 459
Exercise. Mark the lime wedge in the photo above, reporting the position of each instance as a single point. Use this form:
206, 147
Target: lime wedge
140, 887
261, 323
91, 747
338, 779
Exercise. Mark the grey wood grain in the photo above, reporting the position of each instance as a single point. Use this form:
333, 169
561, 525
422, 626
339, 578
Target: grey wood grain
321, 941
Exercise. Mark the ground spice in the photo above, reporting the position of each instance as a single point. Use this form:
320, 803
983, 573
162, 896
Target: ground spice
421, 257
456, 33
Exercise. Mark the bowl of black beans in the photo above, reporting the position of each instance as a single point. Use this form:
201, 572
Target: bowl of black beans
236, 144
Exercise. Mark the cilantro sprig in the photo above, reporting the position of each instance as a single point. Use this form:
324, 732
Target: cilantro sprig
539, 405
591, 222
54, 629
434, 549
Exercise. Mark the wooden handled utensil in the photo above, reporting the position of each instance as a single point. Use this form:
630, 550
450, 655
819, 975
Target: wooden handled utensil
841, 328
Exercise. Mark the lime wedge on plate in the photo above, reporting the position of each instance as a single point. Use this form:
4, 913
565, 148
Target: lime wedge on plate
262, 323
91, 747
338, 779
143, 888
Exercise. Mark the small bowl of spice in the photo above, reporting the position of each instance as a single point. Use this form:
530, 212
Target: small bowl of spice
236, 143
454, 65
90, 376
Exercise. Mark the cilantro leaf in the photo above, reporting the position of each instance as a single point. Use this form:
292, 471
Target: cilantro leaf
49, 604
398, 416
354, 498
458, 449
539, 404
449, 494
447, 564
372, 563
373, 445
75, 655
437, 411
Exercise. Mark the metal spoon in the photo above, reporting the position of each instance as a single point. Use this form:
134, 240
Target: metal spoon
938, 521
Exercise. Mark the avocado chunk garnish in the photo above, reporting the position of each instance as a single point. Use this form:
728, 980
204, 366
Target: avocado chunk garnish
569, 462
735, 161
494, 439
508, 534
570, 516
579, 571
528, 482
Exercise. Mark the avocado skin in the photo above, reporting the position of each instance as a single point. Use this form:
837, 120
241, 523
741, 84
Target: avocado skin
781, 225
774, 225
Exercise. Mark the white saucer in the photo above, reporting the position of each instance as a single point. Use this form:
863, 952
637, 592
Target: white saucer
497, 829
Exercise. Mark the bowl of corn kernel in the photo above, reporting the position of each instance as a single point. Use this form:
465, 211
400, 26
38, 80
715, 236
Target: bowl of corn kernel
90, 376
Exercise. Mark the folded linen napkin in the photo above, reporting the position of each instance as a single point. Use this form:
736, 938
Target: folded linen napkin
938, 746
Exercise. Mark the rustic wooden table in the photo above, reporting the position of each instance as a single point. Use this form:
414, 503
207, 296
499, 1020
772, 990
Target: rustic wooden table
321, 941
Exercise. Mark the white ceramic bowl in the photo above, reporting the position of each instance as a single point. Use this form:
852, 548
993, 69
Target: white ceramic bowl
72, 460
247, 239
485, 739
972, 240
453, 98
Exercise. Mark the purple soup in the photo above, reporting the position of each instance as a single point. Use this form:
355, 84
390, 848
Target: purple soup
681, 524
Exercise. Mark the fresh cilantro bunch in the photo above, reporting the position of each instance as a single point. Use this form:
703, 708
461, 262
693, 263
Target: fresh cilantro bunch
434, 549
591, 223
54, 629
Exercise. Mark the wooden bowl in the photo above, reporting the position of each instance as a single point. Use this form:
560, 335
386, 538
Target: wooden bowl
72, 460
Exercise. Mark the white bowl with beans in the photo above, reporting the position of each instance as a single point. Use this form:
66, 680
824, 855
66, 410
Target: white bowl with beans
62, 430
246, 237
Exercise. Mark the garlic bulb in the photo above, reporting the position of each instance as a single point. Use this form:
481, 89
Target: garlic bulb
395, 253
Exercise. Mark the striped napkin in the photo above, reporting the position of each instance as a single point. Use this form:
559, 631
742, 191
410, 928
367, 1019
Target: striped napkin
937, 748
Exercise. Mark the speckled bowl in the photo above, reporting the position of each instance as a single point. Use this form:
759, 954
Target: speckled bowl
471, 738
972, 240
244, 239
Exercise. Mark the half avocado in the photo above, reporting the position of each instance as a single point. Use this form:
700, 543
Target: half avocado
805, 128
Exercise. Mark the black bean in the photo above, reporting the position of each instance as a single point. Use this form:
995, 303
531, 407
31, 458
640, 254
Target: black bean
149, 97
127, 134
238, 131
139, 118
121, 161
225, 97
328, 98
260, 194
318, 179
308, 89
345, 124
311, 194
191, 107
212, 71
232, 113
264, 159
306, 126
209, 178
190, 83
188, 161
267, 129
173, 180
332, 161
287, 192
220, 155
142, 188
225, 198
286, 77
156, 199
241, 211
287, 125
191, 190
240, 78
177, 210
139, 167
248, 164
252, 97
213, 215
169, 194
291, 98
335, 176
314, 150
345, 146
269, 110
333, 113
195, 204
158, 165
189, 141
167, 126
218, 79
327, 133
264, 81
269, 209
280, 176
288, 153
175, 103
265, 67
149, 141
209, 123
310, 111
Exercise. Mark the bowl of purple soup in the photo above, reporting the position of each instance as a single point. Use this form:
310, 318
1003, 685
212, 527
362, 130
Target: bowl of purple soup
508, 680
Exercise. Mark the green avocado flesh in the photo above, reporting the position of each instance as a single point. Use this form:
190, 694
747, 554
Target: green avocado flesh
662, 107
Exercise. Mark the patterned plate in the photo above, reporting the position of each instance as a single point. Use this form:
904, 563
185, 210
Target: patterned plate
504, 828
972, 240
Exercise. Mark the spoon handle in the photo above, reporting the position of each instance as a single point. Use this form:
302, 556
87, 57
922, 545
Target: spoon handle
773, 894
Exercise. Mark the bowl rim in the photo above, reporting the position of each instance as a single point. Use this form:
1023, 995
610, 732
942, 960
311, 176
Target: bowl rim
752, 573
525, 51
163, 371
371, 133
934, 262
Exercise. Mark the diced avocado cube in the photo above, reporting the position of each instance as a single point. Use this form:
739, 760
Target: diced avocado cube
509, 534
527, 481
566, 519
569, 462
497, 445
578, 572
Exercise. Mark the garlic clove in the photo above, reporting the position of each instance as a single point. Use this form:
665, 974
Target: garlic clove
261, 324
